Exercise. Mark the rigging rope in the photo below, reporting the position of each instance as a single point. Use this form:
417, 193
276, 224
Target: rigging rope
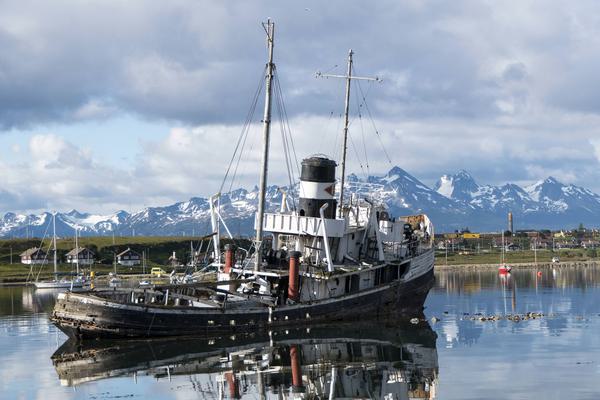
287, 138
362, 132
364, 97
243, 134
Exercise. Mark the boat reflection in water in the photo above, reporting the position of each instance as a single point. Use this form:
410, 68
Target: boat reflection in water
339, 361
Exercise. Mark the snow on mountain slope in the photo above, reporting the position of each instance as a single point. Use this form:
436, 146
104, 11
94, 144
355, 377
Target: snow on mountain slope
455, 201
460, 186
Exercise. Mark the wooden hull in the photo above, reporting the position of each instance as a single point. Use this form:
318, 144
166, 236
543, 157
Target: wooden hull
84, 315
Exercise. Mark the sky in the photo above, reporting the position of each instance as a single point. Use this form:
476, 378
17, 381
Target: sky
112, 104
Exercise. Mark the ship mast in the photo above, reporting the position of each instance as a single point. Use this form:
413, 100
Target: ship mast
345, 141
348, 77
270, 30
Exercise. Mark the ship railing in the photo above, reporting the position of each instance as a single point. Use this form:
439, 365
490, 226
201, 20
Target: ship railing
292, 224
406, 249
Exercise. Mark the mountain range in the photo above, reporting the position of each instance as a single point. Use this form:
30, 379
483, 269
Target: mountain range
456, 201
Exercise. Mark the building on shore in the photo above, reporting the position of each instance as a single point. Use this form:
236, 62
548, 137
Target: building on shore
34, 255
81, 255
129, 258
174, 261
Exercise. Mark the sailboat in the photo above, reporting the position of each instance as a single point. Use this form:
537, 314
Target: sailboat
56, 283
503, 269
325, 261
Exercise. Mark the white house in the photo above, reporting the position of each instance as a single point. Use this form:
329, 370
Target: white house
83, 255
129, 257
33, 255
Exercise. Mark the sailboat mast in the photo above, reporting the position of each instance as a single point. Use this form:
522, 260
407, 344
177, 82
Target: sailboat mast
77, 250
270, 29
54, 241
345, 141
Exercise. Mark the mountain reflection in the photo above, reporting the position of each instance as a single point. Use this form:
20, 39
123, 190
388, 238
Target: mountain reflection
391, 361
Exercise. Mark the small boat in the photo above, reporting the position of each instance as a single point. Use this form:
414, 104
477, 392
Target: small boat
503, 269
56, 283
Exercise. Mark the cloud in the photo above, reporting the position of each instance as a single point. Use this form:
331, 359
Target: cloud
198, 62
504, 90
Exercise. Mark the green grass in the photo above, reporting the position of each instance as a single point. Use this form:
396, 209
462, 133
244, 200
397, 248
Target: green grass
526, 256
158, 249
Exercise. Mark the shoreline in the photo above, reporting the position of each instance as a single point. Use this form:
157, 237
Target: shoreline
567, 264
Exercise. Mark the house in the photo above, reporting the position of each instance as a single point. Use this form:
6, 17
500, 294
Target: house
540, 245
80, 255
590, 244
511, 247
129, 257
173, 261
33, 255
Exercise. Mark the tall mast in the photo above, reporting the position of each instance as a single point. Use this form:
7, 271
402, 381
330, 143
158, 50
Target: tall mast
270, 30
345, 141
77, 249
348, 77
54, 241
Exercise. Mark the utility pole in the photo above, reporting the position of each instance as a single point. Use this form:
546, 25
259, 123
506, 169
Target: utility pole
535, 250
270, 30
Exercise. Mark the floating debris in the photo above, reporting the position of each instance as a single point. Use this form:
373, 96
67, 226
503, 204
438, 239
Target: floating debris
434, 319
414, 321
509, 317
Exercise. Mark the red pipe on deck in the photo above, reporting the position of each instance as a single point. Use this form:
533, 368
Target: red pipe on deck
294, 276
232, 384
296, 369
229, 258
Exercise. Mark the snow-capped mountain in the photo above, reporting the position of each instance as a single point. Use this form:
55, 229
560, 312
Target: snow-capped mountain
456, 201
460, 186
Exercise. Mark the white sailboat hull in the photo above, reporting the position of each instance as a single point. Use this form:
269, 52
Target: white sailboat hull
57, 285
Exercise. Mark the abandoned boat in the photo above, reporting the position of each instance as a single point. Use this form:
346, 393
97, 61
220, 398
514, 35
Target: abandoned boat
323, 261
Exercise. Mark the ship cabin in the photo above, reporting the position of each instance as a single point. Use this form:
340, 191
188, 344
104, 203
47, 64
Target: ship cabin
81, 255
313, 253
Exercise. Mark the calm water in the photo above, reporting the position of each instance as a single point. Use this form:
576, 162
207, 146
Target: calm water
458, 357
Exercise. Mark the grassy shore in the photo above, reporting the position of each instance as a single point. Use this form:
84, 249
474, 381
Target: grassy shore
158, 250
514, 257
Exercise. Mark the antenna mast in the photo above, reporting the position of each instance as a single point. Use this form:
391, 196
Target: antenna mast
270, 30
348, 77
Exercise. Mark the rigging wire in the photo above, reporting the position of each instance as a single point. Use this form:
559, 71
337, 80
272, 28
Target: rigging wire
362, 132
286, 137
243, 134
364, 98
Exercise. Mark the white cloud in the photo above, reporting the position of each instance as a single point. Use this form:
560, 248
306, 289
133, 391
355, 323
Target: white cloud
504, 90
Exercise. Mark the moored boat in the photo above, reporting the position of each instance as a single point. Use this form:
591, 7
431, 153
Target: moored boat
324, 261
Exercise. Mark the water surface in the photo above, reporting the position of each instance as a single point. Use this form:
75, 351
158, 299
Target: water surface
458, 356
